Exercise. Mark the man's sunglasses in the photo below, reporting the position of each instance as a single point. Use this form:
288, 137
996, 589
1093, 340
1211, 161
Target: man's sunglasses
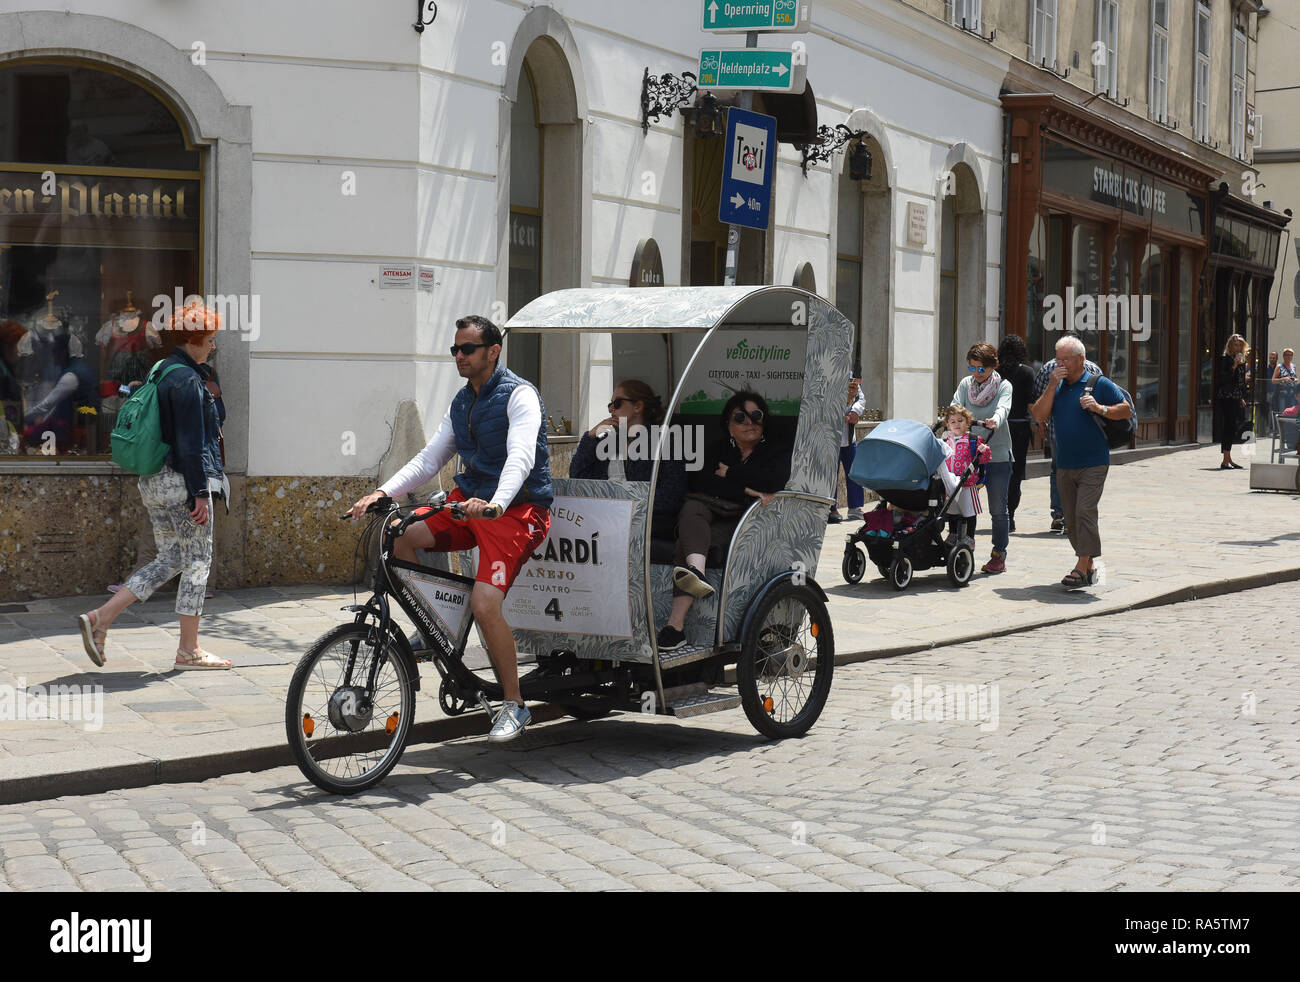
469, 347
616, 403
756, 417
976, 369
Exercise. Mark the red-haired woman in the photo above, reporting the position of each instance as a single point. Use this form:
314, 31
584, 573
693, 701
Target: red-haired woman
178, 496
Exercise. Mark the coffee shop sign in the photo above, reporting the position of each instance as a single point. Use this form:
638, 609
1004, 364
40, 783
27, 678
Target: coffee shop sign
1131, 190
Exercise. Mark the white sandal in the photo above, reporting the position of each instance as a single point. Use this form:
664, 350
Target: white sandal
199, 661
92, 638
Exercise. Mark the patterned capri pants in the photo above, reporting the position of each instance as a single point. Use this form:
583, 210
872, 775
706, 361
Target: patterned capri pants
183, 547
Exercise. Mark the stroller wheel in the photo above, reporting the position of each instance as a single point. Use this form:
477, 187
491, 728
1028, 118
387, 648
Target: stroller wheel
900, 573
854, 565
961, 564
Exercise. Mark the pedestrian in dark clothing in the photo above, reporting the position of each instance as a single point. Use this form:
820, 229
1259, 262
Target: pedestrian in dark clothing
1012, 356
1230, 399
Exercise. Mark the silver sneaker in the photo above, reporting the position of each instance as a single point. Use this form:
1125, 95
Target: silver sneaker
510, 722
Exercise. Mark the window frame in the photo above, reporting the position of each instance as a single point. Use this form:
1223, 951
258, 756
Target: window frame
969, 10
1158, 78
1107, 79
1042, 21
1237, 103
1202, 64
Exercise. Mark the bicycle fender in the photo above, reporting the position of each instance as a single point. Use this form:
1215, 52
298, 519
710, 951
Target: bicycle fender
395, 636
770, 585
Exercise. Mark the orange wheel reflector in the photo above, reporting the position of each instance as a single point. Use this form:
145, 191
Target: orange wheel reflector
815, 628
308, 724
768, 704
391, 726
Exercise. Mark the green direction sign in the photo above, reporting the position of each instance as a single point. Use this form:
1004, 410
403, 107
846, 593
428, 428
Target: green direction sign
752, 68
738, 16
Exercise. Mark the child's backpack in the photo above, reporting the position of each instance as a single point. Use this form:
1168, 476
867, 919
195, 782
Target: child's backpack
138, 446
1118, 432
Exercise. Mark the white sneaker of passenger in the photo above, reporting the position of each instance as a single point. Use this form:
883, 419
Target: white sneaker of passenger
510, 722
855, 515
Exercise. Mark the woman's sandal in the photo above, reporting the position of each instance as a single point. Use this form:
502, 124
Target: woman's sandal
1077, 578
93, 638
199, 661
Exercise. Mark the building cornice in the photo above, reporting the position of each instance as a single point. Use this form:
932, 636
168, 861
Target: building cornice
1074, 121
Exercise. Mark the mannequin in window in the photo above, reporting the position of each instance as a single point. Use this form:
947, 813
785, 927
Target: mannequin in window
11, 392
65, 387
127, 341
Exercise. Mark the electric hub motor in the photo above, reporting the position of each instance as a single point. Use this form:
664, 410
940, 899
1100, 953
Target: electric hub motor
350, 709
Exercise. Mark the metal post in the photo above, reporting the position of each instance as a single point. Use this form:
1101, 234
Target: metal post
746, 101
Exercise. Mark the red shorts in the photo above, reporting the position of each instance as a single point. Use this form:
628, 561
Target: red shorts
504, 544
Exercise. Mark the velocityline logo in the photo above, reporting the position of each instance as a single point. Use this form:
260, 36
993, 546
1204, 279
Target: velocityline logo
761, 352
75, 936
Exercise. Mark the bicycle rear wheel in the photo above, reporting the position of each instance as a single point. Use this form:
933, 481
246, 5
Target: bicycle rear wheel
344, 738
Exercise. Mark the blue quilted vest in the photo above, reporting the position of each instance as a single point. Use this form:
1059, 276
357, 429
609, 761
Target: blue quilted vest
481, 424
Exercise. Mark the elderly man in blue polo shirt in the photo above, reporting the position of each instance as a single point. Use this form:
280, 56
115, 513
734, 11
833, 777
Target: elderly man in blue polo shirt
1082, 453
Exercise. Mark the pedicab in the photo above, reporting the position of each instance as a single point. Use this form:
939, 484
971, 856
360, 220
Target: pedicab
585, 607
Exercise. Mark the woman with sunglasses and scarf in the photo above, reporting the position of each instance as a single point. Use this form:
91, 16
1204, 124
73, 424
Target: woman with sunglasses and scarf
988, 397
742, 467
633, 405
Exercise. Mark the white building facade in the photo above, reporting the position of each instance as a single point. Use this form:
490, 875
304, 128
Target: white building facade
360, 185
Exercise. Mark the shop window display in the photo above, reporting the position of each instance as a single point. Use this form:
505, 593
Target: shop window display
100, 199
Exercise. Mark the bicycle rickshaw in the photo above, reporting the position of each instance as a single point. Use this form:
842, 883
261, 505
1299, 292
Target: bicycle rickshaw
587, 604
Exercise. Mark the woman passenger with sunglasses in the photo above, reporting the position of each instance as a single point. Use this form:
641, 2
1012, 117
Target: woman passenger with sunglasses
635, 402
988, 397
740, 468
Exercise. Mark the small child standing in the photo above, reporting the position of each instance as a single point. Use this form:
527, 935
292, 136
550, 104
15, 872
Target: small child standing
965, 448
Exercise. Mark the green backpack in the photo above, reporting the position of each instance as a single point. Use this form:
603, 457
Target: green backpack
137, 440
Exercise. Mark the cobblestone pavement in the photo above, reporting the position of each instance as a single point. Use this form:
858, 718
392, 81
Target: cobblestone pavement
151, 713
1152, 749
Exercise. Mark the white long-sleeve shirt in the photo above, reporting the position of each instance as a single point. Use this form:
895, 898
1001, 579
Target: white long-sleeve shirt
525, 414
859, 406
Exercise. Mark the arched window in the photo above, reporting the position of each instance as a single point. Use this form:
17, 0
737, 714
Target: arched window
545, 217
100, 200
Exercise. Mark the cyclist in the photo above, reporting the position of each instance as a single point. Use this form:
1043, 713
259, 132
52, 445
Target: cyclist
495, 425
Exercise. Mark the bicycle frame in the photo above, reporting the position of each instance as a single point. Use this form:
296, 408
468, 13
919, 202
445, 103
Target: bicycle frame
398, 579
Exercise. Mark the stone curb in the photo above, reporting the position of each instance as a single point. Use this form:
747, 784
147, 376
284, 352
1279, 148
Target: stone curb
149, 771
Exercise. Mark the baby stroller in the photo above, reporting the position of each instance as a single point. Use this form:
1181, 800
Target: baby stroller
903, 462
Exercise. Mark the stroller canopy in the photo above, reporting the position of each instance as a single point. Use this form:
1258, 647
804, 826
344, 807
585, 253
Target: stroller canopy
898, 455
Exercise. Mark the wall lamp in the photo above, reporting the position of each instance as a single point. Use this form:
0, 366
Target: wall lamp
831, 141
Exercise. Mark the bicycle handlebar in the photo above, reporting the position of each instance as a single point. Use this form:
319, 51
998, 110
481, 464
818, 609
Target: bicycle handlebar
437, 501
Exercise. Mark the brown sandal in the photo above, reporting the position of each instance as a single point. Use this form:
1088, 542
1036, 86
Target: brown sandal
93, 638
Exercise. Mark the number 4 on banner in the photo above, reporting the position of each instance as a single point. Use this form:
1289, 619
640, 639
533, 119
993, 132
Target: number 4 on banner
553, 608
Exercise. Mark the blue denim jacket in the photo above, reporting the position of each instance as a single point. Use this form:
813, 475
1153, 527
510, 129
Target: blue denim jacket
191, 422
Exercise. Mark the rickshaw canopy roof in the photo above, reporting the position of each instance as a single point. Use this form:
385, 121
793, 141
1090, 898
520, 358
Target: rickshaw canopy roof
694, 309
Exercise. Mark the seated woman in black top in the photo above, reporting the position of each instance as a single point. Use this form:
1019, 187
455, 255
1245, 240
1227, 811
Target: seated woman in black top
739, 468
635, 402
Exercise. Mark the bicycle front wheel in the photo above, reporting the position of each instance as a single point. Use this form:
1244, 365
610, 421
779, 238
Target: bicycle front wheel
345, 736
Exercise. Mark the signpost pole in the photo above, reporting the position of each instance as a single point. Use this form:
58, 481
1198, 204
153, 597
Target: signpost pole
746, 101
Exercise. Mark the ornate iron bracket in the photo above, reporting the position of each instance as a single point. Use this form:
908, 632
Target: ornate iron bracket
833, 140
420, 7
662, 94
